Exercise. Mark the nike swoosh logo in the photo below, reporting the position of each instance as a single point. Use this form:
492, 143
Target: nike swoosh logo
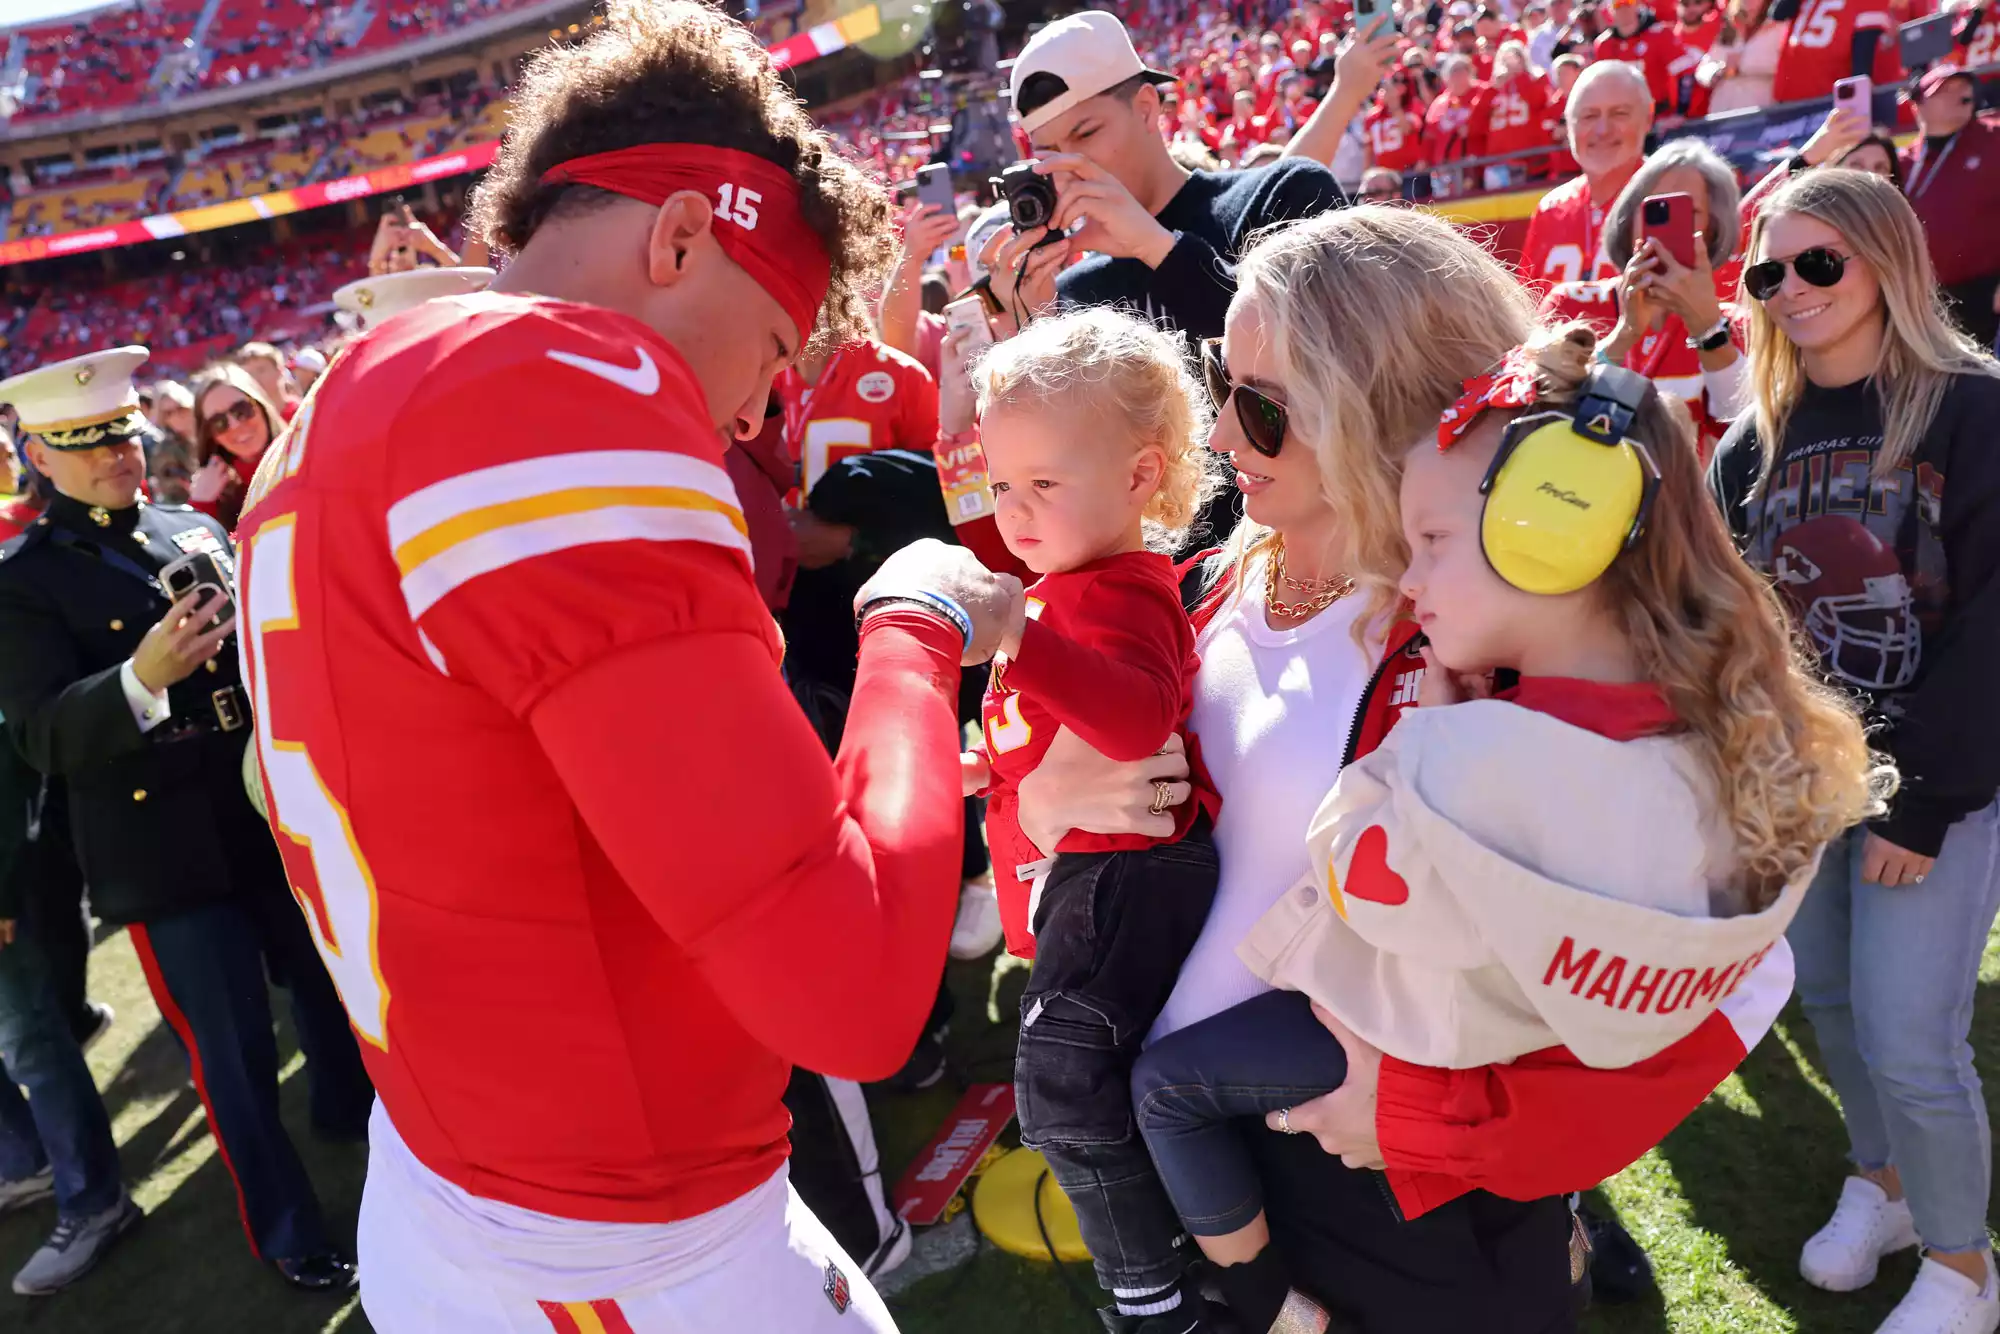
643, 379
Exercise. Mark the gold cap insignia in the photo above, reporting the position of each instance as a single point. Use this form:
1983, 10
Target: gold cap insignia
365, 297
86, 375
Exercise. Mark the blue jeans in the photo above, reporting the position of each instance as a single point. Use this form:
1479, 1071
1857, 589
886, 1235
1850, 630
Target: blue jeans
61, 1123
1887, 977
1190, 1089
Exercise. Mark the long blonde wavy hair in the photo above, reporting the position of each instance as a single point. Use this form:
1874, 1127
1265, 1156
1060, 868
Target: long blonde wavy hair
1921, 348
1129, 380
1786, 753
1375, 315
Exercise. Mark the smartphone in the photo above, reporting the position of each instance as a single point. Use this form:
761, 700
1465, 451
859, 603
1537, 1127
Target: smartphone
970, 313
204, 572
1855, 94
934, 188
1370, 18
1669, 219
1926, 40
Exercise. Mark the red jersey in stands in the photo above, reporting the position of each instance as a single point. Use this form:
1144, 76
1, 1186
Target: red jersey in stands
1702, 37
1984, 48
1395, 137
1108, 653
1819, 49
1453, 128
1565, 240
868, 397
1516, 116
1655, 49
1559, 164
498, 618
1661, 355
17, 513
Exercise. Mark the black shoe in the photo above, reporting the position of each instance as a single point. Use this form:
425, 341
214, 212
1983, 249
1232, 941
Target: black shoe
95, 1023
1187, 1318
1619, 1270
926, 1065
318, 1273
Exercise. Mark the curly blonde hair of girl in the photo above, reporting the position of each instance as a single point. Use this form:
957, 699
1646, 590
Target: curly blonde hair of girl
1921, 348
1790, 763
1376, 316
1111, 371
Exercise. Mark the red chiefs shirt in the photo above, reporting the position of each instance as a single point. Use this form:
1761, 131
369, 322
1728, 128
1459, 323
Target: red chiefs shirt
17, 514
868, 397
1985, 46
1517, 115
1565, 240
1559, 164
1702, 37
499, 623
1819, 48
1660, 53
1395, 137
1452, 127
1108, 653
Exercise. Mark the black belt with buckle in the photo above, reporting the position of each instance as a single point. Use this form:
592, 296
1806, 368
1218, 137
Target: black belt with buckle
228, 711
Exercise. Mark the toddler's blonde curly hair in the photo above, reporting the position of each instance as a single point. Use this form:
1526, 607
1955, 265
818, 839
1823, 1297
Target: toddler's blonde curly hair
1121, 379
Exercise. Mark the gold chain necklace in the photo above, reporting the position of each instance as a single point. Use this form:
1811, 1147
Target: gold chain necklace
1320, 593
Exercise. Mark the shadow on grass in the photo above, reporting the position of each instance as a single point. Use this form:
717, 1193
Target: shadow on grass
1766, 1182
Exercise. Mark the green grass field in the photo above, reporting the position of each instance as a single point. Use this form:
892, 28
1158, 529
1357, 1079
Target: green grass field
1722, 1206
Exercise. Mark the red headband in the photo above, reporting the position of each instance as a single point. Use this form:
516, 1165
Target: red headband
1511, 384
757, 217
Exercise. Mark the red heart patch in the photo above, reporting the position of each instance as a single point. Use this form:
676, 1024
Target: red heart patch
1368, 873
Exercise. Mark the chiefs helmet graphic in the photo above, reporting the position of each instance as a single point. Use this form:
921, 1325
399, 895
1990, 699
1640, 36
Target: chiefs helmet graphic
1846, 588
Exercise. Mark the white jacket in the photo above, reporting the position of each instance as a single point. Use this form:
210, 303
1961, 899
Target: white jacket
1492, 880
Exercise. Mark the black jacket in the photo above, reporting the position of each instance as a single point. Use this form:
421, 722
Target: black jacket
159, 819
1895, 581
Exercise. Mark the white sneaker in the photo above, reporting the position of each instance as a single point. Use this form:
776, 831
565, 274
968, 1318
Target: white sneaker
977, 931
1866, 1225
1944, 1301
28, 1190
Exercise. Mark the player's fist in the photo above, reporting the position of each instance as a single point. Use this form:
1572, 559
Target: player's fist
931, 566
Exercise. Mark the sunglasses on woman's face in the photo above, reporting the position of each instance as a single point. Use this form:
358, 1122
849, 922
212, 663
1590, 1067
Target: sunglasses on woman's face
1819, 266
242, 410
1261, 417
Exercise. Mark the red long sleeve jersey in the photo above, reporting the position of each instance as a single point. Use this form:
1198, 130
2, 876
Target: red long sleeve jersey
1819, 48
1395, 137
1516, 116
1108, 653
1659, 51
571, 854
1565, 241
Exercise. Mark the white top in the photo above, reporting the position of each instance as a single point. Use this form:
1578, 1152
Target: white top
1756, 69
1492, 880
1272, 710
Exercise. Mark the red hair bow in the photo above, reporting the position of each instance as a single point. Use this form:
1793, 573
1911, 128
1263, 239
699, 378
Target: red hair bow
1511, 384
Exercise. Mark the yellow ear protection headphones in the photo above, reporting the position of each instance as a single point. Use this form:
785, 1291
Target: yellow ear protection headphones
1567, 491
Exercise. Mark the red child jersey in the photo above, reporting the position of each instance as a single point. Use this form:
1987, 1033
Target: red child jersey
1108, 653
869, 397
1565, 241
498, 618
1658, 51
1395, 137
1516, 116
1819, 48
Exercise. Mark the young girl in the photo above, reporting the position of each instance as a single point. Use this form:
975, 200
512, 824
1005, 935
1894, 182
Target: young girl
1867, 485
1094, 436
1592, 858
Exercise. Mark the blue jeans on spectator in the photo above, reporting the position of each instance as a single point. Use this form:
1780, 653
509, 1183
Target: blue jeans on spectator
62, 1122
1191, 1087
1887, 977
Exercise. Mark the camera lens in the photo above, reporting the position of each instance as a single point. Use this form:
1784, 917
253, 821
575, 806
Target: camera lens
1027, 211
1656, 210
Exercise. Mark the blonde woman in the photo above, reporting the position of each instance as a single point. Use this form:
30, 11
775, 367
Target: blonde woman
1867, 485
1349, 336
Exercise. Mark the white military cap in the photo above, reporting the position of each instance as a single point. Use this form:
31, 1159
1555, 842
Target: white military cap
80, 403
373, 300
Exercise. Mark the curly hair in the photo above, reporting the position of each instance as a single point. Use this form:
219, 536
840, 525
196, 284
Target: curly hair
660, 69
1786, 754
1116, 368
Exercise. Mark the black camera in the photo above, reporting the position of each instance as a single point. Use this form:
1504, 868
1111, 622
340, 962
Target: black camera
1030, 196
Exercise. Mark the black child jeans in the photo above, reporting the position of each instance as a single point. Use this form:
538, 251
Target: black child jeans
1111, 932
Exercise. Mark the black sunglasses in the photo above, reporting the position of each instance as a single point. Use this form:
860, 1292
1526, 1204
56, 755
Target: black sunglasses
242, 410
1819, 266
1261, 417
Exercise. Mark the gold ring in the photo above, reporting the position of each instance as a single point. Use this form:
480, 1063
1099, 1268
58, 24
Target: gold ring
1163, 792
1285, 1121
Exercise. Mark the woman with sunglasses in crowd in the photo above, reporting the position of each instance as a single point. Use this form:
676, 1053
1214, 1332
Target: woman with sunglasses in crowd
1349, 335
1866, 484
234, 424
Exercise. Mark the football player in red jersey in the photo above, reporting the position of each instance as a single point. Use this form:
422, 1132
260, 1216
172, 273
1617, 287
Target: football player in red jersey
1831, 40
582, 872
1607, 116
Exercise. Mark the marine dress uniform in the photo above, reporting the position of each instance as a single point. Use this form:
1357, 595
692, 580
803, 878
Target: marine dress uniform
167, 838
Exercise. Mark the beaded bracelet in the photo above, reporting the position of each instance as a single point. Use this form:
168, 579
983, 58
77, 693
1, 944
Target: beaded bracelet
929, 601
